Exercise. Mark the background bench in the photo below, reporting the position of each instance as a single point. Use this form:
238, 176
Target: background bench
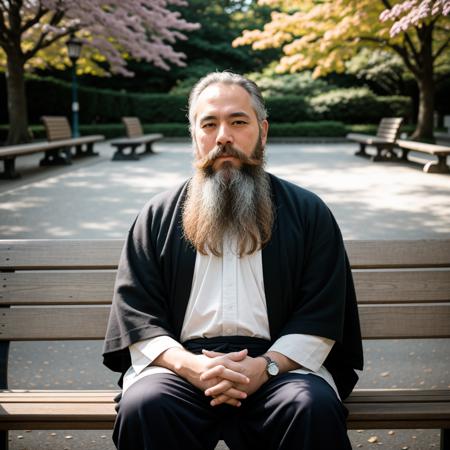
58, 129
135, 138
403, 290
59, 139
384, 141
440, 151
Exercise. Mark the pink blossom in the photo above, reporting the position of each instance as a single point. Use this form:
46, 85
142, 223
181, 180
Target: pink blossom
144, 29
412, 13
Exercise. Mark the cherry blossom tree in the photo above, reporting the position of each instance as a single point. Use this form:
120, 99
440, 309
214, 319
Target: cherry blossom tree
324, 35
412, 13
33, 34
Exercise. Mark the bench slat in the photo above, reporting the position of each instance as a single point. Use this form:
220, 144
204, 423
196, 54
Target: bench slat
402, 286
95, 409
57, 127
104, 254
60, 254
85, 288
133, 126
377, 322
56, 288
397, 395
395, 254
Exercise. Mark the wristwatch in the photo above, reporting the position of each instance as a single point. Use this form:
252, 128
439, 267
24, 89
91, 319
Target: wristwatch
272, 367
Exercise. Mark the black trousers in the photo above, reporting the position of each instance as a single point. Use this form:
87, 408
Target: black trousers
291, 411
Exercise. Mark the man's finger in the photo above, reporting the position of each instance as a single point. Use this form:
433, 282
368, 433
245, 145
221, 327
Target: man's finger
225, 373
234, 356
225, 399
225, 387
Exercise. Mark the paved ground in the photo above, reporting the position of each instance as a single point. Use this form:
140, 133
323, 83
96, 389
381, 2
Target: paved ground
97, 198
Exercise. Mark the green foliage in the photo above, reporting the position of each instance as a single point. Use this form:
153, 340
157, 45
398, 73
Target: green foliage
358, 105
325, 128
288, 109
296, 84
382, 69
372, 128
99, 106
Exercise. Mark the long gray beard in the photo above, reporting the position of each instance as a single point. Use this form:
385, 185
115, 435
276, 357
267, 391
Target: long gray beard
231, 201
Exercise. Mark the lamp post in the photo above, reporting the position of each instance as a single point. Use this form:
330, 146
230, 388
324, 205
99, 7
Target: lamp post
74, 49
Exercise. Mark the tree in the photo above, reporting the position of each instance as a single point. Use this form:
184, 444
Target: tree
33, 33
324, 35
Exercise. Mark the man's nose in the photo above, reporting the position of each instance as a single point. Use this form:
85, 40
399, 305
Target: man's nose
224, 135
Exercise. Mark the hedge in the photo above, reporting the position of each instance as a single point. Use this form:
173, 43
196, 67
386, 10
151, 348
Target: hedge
358, 105
52, 97
110, 131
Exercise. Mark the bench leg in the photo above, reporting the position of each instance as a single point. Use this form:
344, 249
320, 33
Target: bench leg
9, 172
445, 439
54, 158
148, 147
404, 155
362, 151
4, 353
119, 154
384, 153
439, 167
4, 441
88, 151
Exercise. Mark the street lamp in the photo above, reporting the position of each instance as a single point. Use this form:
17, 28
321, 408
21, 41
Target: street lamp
74, 49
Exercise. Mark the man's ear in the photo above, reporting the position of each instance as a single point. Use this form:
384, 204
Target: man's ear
264, 131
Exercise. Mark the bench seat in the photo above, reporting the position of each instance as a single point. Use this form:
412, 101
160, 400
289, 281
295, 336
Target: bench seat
81, 409
133, 143
440, 151
366, 139
62, 290
387, 133
9, 153
52, 147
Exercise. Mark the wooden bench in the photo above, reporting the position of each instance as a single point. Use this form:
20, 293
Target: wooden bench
384, 141
135, 138
403, 290
56, 147
440, 151
58, 129
52, 155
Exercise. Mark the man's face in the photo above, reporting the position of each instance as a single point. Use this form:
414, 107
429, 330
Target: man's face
224, 115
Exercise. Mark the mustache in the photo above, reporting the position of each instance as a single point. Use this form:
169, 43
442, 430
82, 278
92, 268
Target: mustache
225, 150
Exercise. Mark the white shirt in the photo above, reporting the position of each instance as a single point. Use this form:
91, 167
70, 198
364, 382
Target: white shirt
227, 299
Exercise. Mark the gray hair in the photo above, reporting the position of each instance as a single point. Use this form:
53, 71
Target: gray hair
227, 78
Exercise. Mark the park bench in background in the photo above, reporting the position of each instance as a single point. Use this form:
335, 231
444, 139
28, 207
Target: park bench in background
403, 290
384, 141
58, 129
59, 138
135, 138
440, 151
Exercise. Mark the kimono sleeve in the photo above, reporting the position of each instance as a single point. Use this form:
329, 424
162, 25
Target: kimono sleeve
139, 307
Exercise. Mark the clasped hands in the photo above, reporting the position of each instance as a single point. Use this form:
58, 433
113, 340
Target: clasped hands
229, 377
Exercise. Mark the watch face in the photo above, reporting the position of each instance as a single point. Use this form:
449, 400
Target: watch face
273, 369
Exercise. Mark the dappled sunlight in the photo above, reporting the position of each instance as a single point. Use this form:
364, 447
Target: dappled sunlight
370, 200
11, 231
18, 205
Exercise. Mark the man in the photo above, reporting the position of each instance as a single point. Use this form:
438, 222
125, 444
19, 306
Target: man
234, 315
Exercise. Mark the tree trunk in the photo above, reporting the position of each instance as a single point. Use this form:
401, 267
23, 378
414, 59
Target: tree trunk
425, 117
425, 82
17, 103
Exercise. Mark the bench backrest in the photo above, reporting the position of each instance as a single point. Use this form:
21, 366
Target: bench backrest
133, 127
64, 288
57, 128
389, 128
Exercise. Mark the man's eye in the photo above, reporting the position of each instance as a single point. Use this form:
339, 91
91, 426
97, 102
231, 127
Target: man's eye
239, 122
208, 125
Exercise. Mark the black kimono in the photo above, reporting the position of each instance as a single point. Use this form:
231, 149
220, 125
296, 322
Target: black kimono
307, 279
